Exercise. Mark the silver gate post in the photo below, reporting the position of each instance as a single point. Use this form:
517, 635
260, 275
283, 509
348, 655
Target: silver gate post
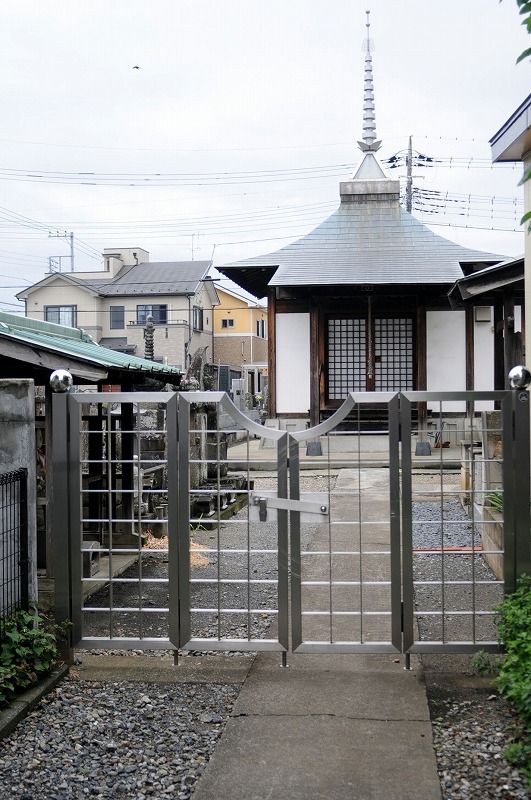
60, 383
520, 379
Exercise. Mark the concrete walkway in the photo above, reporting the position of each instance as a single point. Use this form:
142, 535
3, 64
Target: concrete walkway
334, 726
328, 727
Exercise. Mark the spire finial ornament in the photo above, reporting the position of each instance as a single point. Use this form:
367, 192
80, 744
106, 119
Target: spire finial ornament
369, 143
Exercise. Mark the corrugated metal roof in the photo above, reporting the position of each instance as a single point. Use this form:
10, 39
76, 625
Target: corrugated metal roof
375, 242
76, 343
152, 278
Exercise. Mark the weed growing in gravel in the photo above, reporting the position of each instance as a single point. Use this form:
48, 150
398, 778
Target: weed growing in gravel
27, 652
482, 663
514, 679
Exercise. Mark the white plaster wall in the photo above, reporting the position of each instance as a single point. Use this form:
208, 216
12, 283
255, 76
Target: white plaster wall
60, 293
446, 362
484, 361
293, 363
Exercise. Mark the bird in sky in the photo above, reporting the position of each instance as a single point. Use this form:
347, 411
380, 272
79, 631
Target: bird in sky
136, 67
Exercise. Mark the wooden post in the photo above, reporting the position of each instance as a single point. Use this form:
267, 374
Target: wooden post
315, 373
271, 356
499, 377
508, 336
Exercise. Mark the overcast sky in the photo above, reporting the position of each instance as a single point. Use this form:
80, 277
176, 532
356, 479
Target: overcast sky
248, 114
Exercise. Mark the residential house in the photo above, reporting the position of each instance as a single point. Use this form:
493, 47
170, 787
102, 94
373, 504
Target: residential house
240, 336
360, 303
113, 305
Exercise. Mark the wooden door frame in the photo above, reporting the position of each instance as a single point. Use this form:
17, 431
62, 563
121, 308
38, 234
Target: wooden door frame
418, 320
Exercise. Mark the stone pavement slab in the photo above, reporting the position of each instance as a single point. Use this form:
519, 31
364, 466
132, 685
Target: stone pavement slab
329, 685
219, 668
326, 728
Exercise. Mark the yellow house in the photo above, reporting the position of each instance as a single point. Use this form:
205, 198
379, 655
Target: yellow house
240, 336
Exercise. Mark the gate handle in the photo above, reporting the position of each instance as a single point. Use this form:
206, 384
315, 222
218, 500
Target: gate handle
286, 504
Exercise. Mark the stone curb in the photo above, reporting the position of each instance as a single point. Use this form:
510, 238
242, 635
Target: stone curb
21, 706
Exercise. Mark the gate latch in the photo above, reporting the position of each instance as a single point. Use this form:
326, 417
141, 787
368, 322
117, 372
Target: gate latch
317, 503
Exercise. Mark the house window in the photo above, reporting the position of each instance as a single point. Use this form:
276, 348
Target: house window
227, 323
260, 328
61, 315
197, 318
117, 314
159, 314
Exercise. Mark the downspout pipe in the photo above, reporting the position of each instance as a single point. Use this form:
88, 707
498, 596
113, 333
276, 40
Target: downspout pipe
189, 342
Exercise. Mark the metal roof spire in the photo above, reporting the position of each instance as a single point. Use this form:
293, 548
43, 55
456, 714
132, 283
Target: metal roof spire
369, 143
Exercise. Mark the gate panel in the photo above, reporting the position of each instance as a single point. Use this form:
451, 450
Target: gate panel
345, 585
391, 550
122, 519
232, 539
457, 520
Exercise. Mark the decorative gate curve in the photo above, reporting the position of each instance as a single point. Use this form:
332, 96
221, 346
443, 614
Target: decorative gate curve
180, 523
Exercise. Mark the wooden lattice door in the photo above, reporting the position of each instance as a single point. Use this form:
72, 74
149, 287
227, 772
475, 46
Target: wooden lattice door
367, 354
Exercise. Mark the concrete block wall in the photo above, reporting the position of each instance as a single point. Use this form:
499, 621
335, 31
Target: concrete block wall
17, 449
237, 350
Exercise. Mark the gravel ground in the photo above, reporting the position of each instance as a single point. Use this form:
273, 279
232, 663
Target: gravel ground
455, 531
141, 741
112, 740
471, 726
470, 730
262, 597
434, 526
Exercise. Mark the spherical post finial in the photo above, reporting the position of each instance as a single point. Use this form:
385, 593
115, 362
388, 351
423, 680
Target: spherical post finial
61, 380
519, 377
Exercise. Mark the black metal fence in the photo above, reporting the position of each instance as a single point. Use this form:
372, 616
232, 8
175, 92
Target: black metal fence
14, 561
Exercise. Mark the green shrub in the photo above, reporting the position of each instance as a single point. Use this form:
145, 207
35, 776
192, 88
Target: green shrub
514, 679
28, 651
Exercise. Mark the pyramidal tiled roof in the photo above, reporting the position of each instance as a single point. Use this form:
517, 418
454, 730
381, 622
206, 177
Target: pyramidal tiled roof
370, 239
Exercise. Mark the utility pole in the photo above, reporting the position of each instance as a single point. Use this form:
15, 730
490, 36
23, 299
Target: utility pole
409, 174
70, 237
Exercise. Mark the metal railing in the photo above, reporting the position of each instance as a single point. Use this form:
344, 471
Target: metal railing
14, 562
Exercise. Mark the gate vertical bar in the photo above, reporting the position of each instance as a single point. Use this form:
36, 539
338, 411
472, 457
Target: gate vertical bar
283, 545
172, 449
509, 489
295, 545
408, 636
522, 483
59, 512
394, 504
75, 479
183, 519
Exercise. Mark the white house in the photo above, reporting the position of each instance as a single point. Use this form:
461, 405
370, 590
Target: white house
113, 305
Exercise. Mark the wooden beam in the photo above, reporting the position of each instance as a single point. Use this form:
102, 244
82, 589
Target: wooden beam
508, 335
499, 377
315, 375
469, 348
422, 373
271, 353
422, 368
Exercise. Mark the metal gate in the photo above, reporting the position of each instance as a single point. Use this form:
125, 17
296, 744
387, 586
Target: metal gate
180, 523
